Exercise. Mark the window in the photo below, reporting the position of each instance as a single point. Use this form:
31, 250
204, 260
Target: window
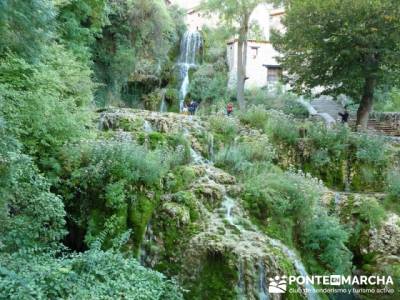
273, 74
254, 52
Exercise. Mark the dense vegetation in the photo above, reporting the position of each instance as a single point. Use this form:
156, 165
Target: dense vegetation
109, 203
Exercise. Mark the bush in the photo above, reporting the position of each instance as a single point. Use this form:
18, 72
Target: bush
208, 85
281, 194
372, 212
225, 129
109, 186
256, 117
393, 183
30, 215
56, 90
245, 154
282, 128
91, 275
323, 235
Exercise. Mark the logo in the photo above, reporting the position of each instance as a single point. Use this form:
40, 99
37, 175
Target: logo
277, 285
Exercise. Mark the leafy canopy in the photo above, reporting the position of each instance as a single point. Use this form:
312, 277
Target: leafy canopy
338, 43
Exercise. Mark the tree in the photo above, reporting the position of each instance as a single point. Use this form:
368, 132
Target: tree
345, 46
236, 13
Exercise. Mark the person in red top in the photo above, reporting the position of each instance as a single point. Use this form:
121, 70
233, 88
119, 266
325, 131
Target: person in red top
229, 109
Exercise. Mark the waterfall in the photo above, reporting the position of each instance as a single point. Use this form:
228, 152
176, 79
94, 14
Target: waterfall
328, 119
337, 199
211, 146
147, 126
163, 105
228, 204
147, 238
190, 45
241, 285
311, 294
262, 290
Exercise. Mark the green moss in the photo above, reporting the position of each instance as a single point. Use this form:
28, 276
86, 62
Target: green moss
128, 124
187, 198
155, 139
182, 178
141, 211
216, 280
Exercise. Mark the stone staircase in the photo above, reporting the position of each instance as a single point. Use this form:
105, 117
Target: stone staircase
388, 124
326, 105
378, 126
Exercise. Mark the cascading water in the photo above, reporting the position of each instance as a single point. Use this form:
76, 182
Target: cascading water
311, 292
262, 290
147, 126
228, 204
190, 45
163, 104
147, 238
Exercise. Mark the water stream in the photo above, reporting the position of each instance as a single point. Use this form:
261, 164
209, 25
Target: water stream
147, 126
262, 287
163, 104
328, 119
312, 294
190, 45
228, 205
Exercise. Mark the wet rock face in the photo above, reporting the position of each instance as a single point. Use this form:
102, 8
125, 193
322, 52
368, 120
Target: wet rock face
200, 232
386, 240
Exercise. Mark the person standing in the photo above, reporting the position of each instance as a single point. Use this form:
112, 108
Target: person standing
344, 116
229, 109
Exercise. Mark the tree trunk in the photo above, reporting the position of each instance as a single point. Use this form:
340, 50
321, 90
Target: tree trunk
366, 103
241, 62
240, 73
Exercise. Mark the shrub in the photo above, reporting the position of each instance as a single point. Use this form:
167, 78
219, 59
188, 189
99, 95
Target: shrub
256, 117
281, 194
393, 183
209, 85
93, 274
323, 235
371, 212
107, 186
282, 128
224, 128
245, 154
30, 215
45, 104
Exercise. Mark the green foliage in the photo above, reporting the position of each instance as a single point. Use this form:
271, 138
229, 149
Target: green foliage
134, 46
281, 194
343, 43
387, 100
277, 99
26, 27
208, 84
57, 90
348, 46
256, 117
244, 155
80, 22
323, 235
31, 216
91, 275
216, 279
393, 183
282, 128
287, 205
225, 129
104, 186
372, 212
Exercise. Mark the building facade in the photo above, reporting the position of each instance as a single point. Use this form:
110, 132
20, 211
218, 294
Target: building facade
262, 67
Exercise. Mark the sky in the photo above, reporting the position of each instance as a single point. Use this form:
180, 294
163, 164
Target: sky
186, 3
